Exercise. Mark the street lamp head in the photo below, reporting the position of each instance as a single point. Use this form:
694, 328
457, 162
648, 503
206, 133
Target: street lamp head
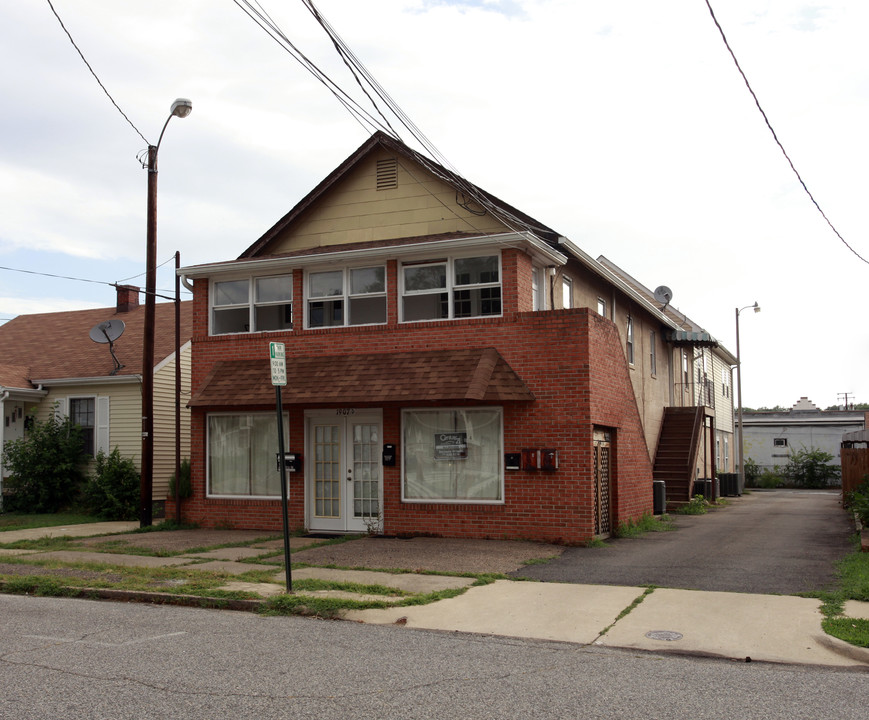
755, 306
182, 107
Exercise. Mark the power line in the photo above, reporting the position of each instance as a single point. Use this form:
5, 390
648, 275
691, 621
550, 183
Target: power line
775, 137
81, 55
86, 280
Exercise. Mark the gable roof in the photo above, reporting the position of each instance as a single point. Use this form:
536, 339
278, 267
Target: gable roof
54, 346
490, 203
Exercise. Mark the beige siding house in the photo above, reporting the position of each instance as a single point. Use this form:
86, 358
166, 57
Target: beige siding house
64, 371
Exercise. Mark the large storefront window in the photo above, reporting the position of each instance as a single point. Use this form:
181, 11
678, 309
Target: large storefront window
241, 455
453, 455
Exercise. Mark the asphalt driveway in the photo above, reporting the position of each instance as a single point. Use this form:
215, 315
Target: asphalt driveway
781, 541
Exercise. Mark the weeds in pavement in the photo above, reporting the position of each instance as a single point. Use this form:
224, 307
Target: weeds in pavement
696, 506
647, 523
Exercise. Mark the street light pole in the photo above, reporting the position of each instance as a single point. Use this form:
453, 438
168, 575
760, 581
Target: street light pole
180, 108
739, 395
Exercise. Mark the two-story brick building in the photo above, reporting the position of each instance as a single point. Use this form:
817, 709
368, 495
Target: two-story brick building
454, 367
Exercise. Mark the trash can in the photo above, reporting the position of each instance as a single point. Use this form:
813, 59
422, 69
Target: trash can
659, 497
700, 487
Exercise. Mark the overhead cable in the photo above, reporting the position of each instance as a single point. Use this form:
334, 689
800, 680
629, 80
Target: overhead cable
81, 55
775, 136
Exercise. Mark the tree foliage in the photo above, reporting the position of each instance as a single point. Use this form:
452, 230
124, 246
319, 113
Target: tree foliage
45, 467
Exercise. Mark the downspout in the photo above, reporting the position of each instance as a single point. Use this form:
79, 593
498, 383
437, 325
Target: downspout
186, 283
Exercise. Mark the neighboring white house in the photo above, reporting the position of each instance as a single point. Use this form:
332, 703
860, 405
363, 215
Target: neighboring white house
770, 437
50, 364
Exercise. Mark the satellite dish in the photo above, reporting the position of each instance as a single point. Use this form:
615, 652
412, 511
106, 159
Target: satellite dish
663, 294
108, 332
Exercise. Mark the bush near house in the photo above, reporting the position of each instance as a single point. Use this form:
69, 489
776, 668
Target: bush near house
112, 492
45, 467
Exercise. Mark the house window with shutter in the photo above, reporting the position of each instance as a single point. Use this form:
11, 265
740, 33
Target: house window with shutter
82, 412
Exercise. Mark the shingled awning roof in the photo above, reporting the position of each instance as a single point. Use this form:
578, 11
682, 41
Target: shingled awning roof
444, 375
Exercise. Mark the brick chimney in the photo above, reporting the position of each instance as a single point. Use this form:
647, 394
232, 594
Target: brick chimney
128, 298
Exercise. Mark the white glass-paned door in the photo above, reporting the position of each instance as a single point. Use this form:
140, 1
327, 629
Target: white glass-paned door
344, 473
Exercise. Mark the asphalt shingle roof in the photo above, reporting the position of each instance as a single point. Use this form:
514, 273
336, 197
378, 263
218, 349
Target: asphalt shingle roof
57, 345
469, 374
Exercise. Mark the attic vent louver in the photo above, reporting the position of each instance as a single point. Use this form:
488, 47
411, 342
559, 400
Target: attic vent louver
387, 174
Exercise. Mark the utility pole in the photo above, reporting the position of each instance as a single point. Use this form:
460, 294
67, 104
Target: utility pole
846, 396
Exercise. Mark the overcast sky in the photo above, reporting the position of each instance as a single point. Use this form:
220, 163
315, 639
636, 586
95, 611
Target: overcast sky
624, 125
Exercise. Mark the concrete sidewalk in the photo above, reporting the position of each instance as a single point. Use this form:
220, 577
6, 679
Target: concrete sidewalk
738, 626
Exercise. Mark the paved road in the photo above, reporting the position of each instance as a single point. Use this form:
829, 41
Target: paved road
782, 541
71, 659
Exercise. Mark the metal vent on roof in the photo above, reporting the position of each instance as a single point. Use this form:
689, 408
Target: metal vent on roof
387, 174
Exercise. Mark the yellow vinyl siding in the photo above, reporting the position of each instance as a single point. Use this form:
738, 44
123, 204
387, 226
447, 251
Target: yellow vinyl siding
358, 212
125, 412
164, 420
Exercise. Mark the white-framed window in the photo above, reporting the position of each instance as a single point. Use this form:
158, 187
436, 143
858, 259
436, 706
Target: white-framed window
629, 345
718, 452
91, 414
566, 292
83, 412
538, 288
726, 453
252, 304
653, 353
350, 296
686, 377
601, 307
452, 288
725, 382
453, 455
242, 452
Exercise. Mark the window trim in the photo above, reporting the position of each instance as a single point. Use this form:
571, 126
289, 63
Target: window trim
601, 307
208, 491
94, 449
345, 297
653, 354
251, 303
499, 454
567, 291
451, 286
629, 340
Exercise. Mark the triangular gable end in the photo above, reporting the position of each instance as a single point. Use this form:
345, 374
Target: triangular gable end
383, 192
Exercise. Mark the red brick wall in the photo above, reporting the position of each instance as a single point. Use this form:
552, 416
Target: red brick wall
571, 360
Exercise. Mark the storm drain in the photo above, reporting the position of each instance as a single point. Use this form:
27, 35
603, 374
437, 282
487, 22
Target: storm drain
668, 635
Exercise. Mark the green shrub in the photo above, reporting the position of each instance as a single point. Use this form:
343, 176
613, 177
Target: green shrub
752, 472
811, 468
45, 467
770, 479
858, 501
113, 491
185, 488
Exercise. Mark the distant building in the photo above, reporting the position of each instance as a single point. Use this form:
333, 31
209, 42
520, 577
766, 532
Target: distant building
771, 437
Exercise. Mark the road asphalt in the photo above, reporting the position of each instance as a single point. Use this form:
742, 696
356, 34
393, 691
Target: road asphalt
745, 627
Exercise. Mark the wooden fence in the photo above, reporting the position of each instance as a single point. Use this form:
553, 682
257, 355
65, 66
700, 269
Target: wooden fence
855, 467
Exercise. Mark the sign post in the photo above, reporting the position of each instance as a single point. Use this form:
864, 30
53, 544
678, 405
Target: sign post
278, 360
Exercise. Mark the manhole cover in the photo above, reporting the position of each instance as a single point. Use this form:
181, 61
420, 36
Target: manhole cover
669, 635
